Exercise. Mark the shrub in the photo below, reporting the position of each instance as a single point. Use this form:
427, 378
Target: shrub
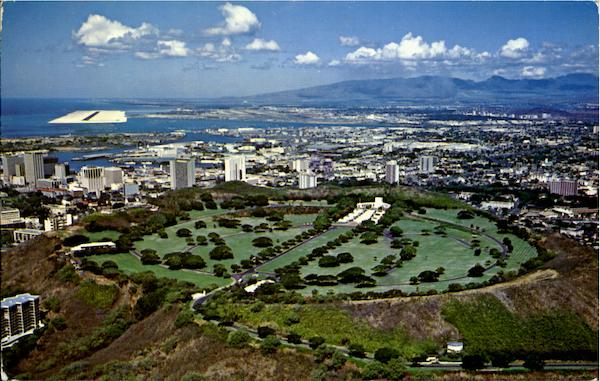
238, 339
67, 274
185, 317
375, 371
269, 344
385, 354
396, 369
338, 359
193, 376
501, 359
52, 303
57, 324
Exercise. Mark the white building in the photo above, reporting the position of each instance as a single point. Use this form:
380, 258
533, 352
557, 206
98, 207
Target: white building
92, 178
112, 176
60, 171
58, 222
366, 211
235, 168
300, 165
307, 180
22, 235
182, 173
392, 172
427, 164
9, 216
34, 166
20, 317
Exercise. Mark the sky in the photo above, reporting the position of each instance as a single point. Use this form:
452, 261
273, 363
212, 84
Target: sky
216, 49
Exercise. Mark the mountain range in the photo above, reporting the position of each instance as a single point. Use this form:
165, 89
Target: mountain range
437, 90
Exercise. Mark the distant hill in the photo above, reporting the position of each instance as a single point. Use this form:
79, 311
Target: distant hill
437, 90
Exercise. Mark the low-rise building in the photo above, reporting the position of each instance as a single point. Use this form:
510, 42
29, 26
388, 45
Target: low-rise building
22, 235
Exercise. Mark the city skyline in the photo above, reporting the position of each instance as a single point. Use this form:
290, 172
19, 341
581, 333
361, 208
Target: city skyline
213, 49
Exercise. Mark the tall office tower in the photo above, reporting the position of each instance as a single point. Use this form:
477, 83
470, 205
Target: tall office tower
563, 187
20, 316
307, 180
49, 164
34, 166
427, 164
112, 175
235, 168
60, 171
392, 172
10, 163
92, 178
182, 173
300, 165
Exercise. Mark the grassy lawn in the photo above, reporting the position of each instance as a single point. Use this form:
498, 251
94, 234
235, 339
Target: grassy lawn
130, 264
97, 236
333, 324
303, 250
239, 241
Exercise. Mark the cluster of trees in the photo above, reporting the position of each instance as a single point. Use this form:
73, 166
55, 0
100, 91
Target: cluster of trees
335, 260
185, 260
246, 201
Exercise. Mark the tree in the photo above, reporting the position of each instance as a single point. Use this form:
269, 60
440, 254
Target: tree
464, 215
476, 271
200, 224
345, 258
183, 232
396, 369
269, 344
328, 261
193, 262
201, 240
221, 252
356, 350
408, 253
534, 361
315, 341
501, 359
440, 270
75, 240
368, 238
262, 242
174, 262
428, 276
149, 257
294, 338
264, 331
338, 359
385, 354
351, 275
375, 371
396, 231
473, 362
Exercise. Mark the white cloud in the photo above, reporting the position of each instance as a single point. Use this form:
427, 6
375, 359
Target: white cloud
238, 20
410, 48
172, 48
308, 58
514, 48
100, 32
533, 71
349, 41
334, 63
222, 53
258, 44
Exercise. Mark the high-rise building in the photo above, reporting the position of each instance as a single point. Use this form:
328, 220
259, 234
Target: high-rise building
563, 187
427, 164
92, 178
49, 164
300, 165
20, 317
182, 173
10, 163
34, 166
392, 172
112, 175
60, 171
235, 168
307, 180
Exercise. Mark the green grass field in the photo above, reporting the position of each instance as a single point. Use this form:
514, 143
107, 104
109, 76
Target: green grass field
129, 264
